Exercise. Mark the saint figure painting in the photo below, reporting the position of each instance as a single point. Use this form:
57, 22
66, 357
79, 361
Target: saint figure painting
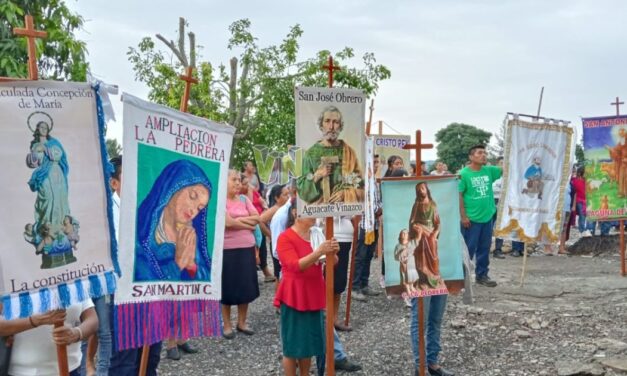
54, 233
171, 239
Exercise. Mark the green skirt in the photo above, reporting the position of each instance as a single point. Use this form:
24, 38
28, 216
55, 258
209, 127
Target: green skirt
302, 333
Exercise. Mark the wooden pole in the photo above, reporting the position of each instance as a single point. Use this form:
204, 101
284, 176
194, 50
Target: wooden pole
418, 146
524, 265
369, 123
329, 277
31, 33
189, 80
143, 363
380, 127
351, 273
622, 248
329, 268
540, 102
64, 369
421, 335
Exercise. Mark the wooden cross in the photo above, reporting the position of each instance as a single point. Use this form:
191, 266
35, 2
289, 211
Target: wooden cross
369, 123
418, 146
330, 67
617, 104
189, 80
30, 33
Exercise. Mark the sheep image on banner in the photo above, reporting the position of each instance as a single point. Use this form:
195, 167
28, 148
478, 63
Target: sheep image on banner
605, 147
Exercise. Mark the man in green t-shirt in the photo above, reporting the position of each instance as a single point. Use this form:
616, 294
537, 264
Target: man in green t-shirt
476, 205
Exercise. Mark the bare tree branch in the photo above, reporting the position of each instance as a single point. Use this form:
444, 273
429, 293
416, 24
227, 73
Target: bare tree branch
192, 49
241, 103
233, 92
182, 42
172, 47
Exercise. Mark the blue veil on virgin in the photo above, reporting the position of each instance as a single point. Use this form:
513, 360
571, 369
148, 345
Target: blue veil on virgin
156, 261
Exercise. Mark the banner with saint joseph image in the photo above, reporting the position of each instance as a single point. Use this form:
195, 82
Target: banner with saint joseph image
535, 174
56, 221
174, 172
330, 127
421, 234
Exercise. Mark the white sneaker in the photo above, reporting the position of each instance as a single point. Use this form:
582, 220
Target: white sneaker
586, 234
407, 302
613, 231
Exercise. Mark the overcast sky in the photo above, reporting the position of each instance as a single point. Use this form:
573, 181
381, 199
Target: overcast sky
451, 61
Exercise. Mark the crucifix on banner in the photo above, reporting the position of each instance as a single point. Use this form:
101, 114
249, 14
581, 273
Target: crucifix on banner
418, 147
189, 80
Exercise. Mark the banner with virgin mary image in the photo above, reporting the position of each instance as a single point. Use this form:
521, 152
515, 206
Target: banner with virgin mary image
536, 171
58, 244
422, 239
172, 218
330, 127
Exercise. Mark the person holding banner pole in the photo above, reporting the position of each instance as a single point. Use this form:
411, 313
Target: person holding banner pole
35, 340
301, 295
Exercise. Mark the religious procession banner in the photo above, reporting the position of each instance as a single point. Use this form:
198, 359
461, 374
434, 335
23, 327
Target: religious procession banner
421, 234
175, 170
605, 148
57, 230
536, 171
386, 146
330, 127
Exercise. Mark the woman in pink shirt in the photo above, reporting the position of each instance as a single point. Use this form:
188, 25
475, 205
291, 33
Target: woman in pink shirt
239, 270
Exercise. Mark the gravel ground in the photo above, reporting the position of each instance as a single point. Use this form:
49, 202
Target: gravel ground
569, 318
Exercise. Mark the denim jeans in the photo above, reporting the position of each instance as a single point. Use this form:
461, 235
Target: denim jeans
363, 258
338, 354
126, 362
103, 306
582, 224
434, 308
478, 238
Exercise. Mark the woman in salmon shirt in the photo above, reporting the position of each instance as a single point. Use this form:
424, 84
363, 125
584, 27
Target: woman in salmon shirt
301, 294
239, 270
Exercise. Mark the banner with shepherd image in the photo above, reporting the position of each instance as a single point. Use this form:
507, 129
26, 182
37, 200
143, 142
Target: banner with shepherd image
421, 234
57, 230
174, 170
536, 171
330, 127
605, 149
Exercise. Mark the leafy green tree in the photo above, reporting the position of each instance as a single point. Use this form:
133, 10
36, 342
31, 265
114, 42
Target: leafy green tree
255, 93
114, 149
455, 140
61, 55
579, 154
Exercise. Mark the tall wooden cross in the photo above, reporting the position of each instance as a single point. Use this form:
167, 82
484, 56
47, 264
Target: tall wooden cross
189, 80
617, 104
30, 33
331, 68
418, 146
